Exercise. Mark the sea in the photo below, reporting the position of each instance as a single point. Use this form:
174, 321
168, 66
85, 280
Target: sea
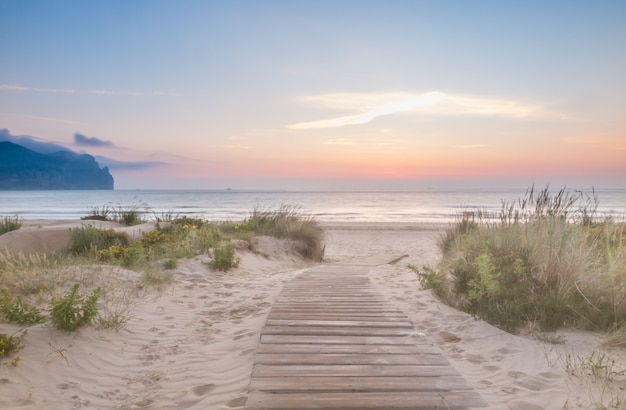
416, 206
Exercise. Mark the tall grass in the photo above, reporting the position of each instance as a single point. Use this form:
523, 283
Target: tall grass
10, 223
130, 213
288, 221
547, 258
96, 258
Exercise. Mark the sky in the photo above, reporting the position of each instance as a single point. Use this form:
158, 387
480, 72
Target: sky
323, 94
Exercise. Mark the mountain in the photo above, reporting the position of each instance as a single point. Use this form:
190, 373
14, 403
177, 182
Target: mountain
23, 169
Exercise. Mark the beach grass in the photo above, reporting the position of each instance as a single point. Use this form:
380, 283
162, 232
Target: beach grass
130, 213
547, 259
10, 223
114, 270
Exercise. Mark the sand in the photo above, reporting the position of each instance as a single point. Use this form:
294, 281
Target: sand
192, 345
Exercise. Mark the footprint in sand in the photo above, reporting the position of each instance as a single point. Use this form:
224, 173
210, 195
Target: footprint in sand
475, 358
238, 402
449, 337
241, 336
203, 389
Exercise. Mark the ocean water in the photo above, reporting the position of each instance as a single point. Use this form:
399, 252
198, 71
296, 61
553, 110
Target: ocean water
431, 205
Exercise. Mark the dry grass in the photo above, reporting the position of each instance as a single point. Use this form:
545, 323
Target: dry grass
289, 221
540, 260
104, 259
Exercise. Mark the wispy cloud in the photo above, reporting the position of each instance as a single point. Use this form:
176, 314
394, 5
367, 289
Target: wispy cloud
132, 93
84, 141
365, 107
40, 118
9, 87
129, 165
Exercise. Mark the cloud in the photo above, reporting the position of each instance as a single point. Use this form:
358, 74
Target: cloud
84, 141
32, 143
10, 87
132, 93
367, 106
128, 165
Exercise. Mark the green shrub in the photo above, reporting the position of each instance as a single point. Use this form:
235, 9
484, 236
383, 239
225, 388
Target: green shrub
18, 310
87, 239
9, 346
171, 263
74, 310
224, 257
541, 260
134, 254
430, 279
8, 224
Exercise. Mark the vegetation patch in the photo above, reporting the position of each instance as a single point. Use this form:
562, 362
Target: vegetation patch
9, 346
74, 310
547, 259
100, 260
10, 223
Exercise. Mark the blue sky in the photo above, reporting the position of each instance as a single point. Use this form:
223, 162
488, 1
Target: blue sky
323, 94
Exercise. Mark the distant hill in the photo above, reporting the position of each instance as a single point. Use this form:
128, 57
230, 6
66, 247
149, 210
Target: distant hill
23, 169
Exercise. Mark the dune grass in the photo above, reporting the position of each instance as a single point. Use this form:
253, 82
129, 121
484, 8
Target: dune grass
547, 259
116, 271
131, 213
288, 221
10, 223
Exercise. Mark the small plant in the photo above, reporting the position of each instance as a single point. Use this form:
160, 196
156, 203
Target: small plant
74, 310
485, 284
9, 346
18, 310
103, 213
156, 279
8, 224
171, 263
87, 239
224, 257
131, 213
430, 279
133, 255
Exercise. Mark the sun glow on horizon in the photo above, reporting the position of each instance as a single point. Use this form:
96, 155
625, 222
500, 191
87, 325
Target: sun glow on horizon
220, 93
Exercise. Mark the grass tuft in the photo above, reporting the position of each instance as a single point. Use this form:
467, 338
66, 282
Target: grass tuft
288, 221
10, 223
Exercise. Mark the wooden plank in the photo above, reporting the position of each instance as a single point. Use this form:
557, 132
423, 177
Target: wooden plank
362, 370
351, 358
345, 348
354, 384
334, 323
389, 317
337, 331
331, 341
364, 400
335, 339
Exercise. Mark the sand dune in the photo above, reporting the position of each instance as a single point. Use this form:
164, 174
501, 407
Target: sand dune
192, 346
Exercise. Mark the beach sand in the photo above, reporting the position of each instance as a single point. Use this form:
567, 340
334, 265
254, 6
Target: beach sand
192, 345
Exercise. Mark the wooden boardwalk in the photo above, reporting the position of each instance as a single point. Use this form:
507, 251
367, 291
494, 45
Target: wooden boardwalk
332, 342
